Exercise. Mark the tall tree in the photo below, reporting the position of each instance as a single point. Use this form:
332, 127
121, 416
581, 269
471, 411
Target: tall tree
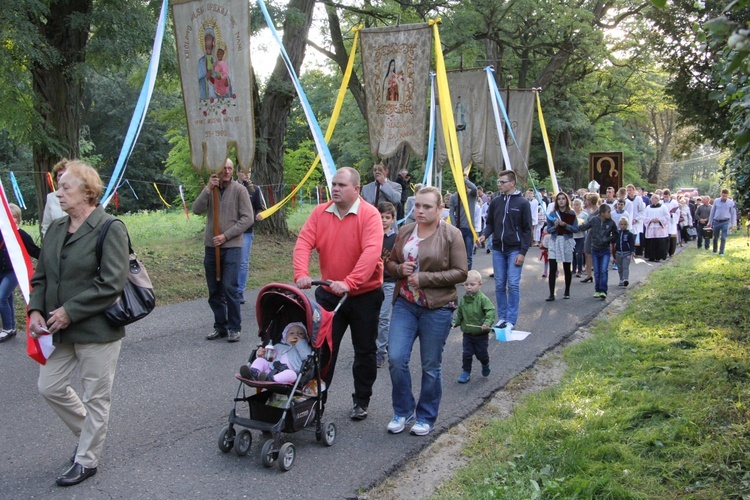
45, 46
276, 104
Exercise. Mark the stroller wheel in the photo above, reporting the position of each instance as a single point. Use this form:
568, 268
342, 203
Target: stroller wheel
267, 457
226, 439
242, 442
329, 433
286, 456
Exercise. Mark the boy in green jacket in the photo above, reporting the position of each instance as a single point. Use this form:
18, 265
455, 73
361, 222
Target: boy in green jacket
475, 316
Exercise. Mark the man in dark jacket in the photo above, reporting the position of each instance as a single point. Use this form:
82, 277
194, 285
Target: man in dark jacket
509, 221
463, 220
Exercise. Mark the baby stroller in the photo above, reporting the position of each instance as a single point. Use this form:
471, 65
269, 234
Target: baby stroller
293, 406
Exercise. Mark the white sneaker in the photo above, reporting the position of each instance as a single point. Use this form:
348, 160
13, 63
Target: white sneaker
499, 324
399, 423
509, 326
421, 429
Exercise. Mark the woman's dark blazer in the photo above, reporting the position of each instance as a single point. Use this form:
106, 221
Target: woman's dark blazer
66, 275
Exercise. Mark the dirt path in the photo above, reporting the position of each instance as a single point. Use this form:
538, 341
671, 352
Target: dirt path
422, 476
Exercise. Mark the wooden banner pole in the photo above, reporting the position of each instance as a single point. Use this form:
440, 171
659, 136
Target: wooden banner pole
217, 232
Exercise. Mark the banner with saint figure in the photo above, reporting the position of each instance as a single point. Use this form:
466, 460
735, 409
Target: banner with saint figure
396, 63
213, 48
476, 125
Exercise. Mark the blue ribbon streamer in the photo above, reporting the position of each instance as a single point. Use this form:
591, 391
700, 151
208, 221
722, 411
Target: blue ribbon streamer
17, 190
496, 90
141, 107
131, 188
326, 160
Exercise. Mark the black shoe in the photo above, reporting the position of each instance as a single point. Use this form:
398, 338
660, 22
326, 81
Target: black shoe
550, 298
76, 474
566, 296
234, 336
488, 250
625, 283
492, 275
242, 301
216, 334
587, 280
359, 412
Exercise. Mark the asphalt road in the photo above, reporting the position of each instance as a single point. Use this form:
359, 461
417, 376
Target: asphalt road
173, 391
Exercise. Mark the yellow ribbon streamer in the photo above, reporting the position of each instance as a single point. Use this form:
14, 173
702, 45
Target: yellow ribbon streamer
550, 161
331, 126
161, 197
449, 126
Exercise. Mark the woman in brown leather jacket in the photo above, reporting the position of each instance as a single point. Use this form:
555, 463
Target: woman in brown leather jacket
429, 260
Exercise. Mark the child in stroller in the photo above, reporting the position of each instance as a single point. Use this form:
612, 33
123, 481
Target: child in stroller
285, 360
293, 397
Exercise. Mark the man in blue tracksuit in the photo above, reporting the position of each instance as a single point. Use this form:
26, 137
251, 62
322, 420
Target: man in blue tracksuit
509, 221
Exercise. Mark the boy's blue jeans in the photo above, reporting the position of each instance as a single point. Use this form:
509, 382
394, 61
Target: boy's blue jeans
507, 284
601, 258
8, 283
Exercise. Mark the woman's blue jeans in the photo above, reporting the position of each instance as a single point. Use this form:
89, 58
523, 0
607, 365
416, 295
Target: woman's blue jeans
410, 322
8, 283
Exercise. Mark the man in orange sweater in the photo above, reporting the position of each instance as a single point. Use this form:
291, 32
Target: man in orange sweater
347, 233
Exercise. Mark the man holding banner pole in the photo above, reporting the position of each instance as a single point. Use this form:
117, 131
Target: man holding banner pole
225, 234
462, 220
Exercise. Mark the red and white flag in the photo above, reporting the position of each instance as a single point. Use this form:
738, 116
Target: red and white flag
39, 349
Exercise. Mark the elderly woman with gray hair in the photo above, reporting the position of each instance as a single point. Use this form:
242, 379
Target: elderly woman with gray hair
71, 289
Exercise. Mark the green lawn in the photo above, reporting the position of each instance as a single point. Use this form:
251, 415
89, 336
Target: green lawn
655, 405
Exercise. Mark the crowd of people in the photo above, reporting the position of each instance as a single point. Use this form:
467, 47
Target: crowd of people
398, 251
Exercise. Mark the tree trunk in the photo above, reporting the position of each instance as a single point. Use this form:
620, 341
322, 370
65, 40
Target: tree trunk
274, 111
58, 89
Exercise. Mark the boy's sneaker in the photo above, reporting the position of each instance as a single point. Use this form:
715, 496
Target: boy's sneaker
233, 336
464, 377
486, 370
420, 429
359, 412
380, 359
597, 295
6, 335
509, 326
398, 424
602, 295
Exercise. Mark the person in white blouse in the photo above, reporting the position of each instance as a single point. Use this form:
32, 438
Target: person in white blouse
673, 207
637, 207
52, 208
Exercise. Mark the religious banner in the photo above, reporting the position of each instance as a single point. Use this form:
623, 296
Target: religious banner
396, 62
606, 169
213, 47
476, 125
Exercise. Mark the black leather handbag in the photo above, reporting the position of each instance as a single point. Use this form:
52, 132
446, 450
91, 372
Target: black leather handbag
137, 299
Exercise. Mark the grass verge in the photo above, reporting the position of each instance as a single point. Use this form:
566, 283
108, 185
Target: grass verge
656, 404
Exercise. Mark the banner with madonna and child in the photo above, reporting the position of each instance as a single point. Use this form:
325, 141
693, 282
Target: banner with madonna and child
213, 48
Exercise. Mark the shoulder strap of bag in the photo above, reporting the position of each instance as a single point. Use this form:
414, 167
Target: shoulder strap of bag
103, 234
